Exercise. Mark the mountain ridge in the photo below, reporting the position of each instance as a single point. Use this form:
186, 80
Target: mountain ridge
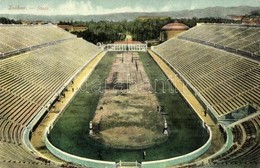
218, 12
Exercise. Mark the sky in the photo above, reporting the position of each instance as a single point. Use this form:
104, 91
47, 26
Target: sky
93, 7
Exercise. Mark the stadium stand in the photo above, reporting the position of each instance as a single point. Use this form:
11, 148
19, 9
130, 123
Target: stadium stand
29, 80
46, 58
223, 80
18, 38
246, 144
238, 38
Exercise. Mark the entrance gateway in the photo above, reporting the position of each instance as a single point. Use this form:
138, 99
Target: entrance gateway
126, 47
121, 164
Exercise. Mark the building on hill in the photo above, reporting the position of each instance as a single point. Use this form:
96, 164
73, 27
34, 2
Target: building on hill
246, 20
251, 20
235, 17
172, 30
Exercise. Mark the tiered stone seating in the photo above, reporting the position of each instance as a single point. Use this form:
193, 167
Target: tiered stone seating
29, 80
17, 37
237, 37
36, 69
238, 134
14, 164
13, 155
227, 81
13, 152
246, 144
10, 131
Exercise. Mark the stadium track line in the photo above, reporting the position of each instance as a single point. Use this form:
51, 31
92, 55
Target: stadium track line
217, 139
37, 139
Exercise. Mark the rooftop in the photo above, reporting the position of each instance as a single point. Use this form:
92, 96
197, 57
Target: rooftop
175, 26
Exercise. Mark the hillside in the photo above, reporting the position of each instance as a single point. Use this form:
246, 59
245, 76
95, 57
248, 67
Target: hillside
221, 12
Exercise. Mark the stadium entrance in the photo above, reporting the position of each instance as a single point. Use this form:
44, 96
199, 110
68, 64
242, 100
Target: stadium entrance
126, 47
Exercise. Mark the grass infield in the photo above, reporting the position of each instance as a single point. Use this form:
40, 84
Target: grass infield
70, 133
